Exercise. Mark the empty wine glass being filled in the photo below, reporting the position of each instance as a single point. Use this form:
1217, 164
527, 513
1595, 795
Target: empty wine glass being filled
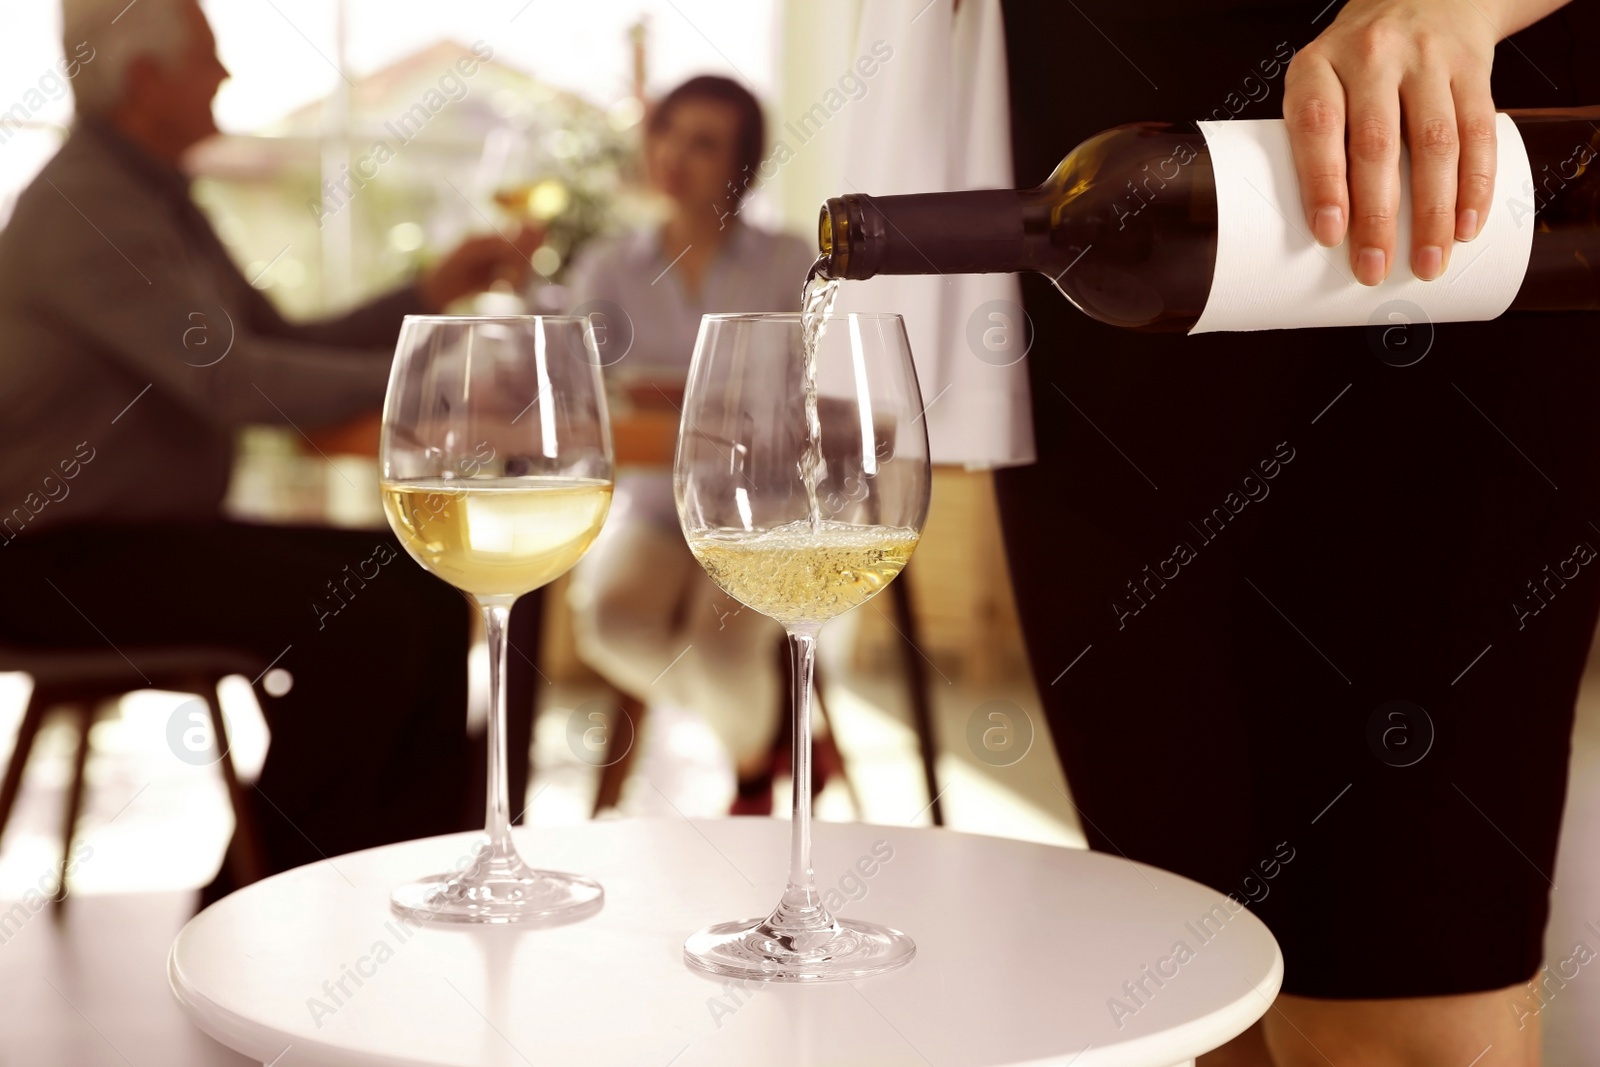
802, 484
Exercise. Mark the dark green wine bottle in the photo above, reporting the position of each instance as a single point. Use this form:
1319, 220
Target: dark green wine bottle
1126, 226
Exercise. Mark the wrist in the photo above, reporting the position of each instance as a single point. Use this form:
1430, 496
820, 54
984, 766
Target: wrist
1490, 15
1485, 22
1502, 18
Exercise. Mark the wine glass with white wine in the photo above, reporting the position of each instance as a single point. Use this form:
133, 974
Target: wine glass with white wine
496, 472
802, 486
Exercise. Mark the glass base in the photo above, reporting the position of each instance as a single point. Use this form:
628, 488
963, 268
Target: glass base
500, 888
757, 951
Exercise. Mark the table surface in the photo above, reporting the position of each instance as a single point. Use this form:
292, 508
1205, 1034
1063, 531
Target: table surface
1023, 952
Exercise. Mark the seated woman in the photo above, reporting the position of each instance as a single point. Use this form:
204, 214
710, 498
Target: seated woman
646, 616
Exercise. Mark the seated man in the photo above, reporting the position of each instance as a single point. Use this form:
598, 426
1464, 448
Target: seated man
131, 350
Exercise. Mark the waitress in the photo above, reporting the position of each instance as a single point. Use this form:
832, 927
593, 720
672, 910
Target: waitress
1334, 711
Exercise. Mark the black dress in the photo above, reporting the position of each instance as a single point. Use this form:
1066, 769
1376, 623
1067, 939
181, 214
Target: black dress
1325, 616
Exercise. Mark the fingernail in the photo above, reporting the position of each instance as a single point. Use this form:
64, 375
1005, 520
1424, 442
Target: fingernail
1369, 266
1328, 225
1429, 259
1467, 225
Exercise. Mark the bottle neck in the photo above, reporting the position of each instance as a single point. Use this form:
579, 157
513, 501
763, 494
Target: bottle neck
983, 231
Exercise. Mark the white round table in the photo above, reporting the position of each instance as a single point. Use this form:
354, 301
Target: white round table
1026, 955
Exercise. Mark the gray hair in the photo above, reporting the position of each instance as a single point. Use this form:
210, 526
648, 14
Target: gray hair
119, 33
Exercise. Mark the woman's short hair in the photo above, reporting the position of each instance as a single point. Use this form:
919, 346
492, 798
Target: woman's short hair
751, 139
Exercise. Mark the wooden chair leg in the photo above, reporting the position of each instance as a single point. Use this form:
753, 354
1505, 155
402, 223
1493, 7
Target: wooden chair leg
844, 762
32, 717
917, 684
84, 712
614, 772
245, 854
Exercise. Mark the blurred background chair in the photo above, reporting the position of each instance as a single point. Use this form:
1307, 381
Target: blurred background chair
81, 681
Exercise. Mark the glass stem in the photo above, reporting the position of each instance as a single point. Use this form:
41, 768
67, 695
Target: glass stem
801, 906
497, 818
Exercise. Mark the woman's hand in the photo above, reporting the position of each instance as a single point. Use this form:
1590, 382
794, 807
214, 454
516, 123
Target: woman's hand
1383, 71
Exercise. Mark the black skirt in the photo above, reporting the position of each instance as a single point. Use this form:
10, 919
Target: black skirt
1307, 610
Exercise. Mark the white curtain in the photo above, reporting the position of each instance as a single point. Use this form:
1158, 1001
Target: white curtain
934, 118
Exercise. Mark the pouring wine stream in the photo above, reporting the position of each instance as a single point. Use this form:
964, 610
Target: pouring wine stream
817, 296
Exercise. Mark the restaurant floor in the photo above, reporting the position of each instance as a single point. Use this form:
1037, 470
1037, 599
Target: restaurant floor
92, 990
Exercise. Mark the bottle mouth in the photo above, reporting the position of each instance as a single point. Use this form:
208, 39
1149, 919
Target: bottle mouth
833, 236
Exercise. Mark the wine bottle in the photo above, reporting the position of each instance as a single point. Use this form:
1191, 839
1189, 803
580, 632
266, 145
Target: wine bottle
1127, 227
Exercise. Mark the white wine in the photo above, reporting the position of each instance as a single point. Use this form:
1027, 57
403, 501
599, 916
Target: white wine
497, 536
796, 576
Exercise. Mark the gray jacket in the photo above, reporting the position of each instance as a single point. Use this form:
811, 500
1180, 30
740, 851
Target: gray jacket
131, 347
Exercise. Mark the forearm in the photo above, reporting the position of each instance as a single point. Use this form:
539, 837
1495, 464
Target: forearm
304, 385
215, 364
373, 325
